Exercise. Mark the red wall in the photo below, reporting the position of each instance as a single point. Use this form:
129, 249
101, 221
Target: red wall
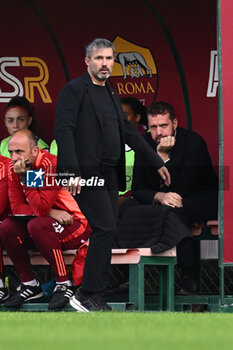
174, 35
227, 88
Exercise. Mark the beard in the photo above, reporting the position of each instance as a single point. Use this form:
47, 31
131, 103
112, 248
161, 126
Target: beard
99, 76
158, 139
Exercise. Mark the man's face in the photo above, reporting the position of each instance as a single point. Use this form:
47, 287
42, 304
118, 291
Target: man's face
132, 117
100, 64
16, 119
20, 148
161, 125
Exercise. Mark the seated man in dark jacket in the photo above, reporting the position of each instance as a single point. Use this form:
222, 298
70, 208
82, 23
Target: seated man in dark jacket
193, 191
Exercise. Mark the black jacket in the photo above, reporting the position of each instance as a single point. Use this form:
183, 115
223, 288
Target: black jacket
191, 171
79, 126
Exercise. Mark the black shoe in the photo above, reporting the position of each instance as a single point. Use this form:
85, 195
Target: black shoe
188, 285
24, 293
94, 302
122, 288
61, 295
4, 294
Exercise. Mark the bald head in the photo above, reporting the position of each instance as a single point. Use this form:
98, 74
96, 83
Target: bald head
23, 145
26, 135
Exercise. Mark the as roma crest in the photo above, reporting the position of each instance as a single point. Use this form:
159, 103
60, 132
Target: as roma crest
134, 72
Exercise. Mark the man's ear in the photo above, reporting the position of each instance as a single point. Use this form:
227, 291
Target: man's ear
175, 123
86, 60
35, 151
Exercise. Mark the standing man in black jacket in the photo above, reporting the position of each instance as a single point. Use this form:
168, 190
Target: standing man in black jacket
91, 131
193, 192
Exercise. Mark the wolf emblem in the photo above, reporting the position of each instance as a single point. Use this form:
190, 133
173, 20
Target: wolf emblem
136, 62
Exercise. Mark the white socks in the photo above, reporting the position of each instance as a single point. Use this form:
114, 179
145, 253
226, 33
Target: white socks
2, 284
32, 283
68, 283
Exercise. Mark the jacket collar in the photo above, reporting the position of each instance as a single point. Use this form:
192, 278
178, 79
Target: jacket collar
87, 78
38, 159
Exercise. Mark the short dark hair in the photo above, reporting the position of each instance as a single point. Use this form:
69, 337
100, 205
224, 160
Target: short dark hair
137, 107
21, 101
99, 43
161, 108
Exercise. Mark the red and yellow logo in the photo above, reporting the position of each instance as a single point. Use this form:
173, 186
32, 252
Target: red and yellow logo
134, 72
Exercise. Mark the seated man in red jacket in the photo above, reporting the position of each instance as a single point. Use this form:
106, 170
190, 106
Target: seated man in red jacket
4, 210
58, 223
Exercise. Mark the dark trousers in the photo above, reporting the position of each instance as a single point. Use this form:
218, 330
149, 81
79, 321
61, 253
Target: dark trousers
190, 213
194, 211
100, 206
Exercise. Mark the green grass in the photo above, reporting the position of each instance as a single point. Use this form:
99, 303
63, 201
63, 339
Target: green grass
115, 330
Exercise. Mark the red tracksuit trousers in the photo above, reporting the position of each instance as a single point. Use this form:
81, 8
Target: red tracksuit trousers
42, 234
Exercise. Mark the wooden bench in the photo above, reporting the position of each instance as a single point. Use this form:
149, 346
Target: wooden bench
136, 259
